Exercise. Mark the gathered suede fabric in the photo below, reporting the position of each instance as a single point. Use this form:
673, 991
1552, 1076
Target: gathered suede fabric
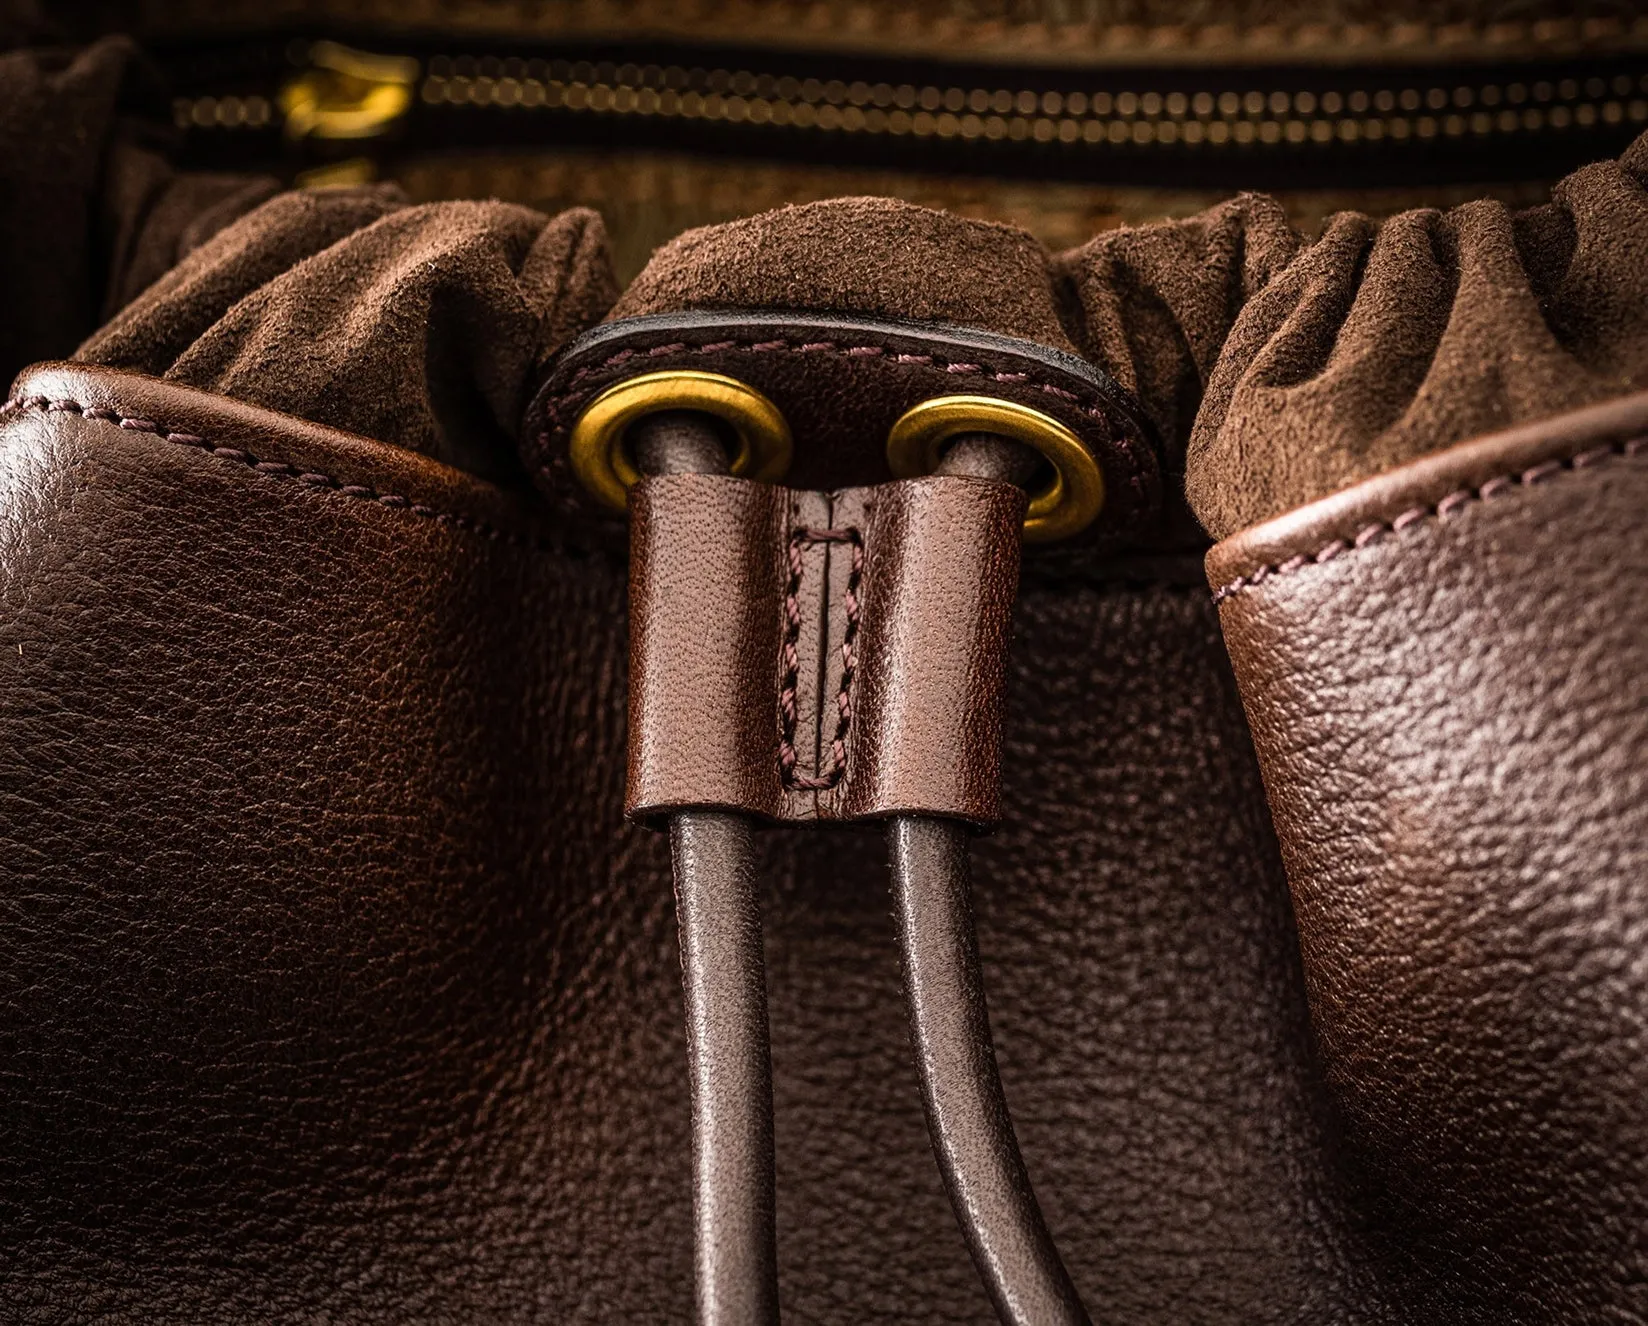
91, 210
1151, 305
1275, 370
1381, 342
874, 256
1156, 302
425, 326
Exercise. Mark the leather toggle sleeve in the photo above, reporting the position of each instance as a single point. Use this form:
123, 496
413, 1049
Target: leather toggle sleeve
820, 656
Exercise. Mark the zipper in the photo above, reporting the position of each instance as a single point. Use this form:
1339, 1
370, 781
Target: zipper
1271, 126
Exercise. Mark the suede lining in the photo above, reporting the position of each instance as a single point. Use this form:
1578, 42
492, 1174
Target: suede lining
421, 325
1156, 302
1275, 370
874, 256
1380, 343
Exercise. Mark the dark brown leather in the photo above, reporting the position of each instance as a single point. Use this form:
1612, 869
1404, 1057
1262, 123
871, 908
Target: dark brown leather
707, 581
724, 980
841, 383
1444, 672
333, 985
811, 656
967, 1116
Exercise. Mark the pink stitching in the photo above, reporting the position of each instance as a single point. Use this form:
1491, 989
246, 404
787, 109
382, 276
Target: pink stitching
803, 538
267, 468
554, 406
1444, 508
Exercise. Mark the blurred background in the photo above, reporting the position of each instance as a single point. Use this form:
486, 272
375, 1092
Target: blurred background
1061, 116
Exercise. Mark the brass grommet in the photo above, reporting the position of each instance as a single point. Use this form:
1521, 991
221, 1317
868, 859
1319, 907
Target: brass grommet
1065, 507
596, 447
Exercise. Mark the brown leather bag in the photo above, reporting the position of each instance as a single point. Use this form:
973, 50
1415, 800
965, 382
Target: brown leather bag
373, 590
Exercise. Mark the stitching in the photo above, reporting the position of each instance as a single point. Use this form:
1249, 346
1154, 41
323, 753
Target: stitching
805, 538
555, 406
1442, 509
269, 469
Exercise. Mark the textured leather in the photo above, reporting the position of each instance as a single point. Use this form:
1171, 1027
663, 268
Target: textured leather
812, 656
724, 981
1444, 672
333, 984
707, 582
841, 383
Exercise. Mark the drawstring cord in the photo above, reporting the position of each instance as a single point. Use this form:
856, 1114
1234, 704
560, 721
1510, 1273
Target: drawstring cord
961, 1093
724, 987
967, 1118
723, 980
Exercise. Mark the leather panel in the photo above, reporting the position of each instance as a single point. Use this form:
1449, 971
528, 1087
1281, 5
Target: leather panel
333, 984
1448, 708
303, 923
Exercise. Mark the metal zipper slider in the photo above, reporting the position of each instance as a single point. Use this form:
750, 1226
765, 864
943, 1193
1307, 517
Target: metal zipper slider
347, 93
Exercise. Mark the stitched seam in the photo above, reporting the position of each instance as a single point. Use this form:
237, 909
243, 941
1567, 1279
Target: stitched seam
1452, 504
269, 469
791, 659
555, 406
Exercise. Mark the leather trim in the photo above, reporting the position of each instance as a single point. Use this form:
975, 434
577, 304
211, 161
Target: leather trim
809, 656
281, 448
841, 383
1433, 487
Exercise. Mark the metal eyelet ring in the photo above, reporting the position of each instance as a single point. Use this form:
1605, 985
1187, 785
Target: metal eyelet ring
1065, 507
596, 447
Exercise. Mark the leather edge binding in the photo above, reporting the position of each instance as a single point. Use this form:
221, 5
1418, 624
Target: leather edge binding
1432, 487
948, 359
282, 448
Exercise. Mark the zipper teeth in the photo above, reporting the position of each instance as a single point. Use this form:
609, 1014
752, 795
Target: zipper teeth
996, 114
231, 112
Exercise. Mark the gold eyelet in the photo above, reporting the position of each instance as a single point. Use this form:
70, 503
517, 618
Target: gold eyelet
596, 447
1065, 507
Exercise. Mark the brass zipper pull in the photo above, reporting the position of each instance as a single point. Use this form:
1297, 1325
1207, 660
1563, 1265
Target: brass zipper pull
347, 94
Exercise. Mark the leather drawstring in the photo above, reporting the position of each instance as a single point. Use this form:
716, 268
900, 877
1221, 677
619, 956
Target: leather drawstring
723, 979
724, 984
967, 1117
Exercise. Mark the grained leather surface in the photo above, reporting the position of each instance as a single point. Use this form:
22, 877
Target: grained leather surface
819, 656
334, 986
707, 578
1444, 672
